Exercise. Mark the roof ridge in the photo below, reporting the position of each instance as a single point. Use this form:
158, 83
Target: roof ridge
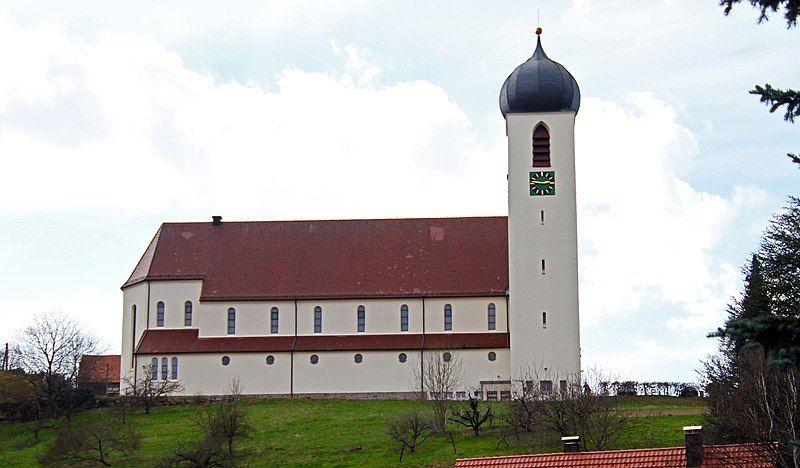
339, 220
145, 261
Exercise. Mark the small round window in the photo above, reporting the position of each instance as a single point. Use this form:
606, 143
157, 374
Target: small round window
270, 360
402, 357
446, 357
358, 358
314, 359
492, 356
226, 360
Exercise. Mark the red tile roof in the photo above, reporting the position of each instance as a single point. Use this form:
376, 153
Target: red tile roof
739, 455
330, 259
103, 368
187, 341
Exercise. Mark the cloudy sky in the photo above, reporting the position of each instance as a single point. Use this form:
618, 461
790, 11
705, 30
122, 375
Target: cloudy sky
115, 117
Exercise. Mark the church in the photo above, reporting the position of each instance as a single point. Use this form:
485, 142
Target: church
354, 307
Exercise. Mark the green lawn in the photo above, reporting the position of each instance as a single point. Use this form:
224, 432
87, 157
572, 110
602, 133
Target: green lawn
294, 432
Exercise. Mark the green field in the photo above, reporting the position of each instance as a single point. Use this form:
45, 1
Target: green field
296, 432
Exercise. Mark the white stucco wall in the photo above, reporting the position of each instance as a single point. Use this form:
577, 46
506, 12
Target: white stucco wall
339, 316
470, 314
556, 347
174, 295
252, 318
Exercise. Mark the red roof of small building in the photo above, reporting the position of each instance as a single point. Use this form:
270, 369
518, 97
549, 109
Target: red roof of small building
99, 368
332, 259
739, 455
187, 341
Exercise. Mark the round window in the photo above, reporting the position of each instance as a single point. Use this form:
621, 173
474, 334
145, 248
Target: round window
402, 357
314, 359
358, 358
270, 360
492, 356
446, 357
226, 360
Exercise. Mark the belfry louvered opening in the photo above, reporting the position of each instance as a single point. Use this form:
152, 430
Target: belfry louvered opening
541, 146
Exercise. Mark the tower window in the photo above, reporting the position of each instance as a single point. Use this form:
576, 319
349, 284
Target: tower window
362, 318
160, 314
231, 321
403, 317
274, 320
541, 216
317, 319
543, 270
448, 317
491, 316
541, 146
544, 319
187, 314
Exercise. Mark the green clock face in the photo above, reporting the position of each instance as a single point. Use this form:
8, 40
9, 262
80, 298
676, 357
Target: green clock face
543, 183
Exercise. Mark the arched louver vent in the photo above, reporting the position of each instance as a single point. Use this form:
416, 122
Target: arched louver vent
541, 146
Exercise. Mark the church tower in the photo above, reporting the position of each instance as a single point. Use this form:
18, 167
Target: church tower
539, 101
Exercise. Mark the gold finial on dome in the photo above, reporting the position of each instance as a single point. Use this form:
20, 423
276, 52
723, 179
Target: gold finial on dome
538, 31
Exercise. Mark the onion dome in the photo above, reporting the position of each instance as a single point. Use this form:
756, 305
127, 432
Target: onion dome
539, 85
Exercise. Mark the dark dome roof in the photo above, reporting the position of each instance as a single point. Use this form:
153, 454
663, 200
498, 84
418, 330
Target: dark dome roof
539, 85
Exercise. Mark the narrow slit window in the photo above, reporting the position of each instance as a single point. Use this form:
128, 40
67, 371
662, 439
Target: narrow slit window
543, 269
544, 319
362, 318
274, 320
231, 321
404, 318
317, 319
160, 314
187, 314
541, 146
541, 216
448, 317
491, 316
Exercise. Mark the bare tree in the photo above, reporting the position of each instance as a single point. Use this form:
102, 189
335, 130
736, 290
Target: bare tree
221, 425
148, 390
439, 375
409, 431
96, 440
49, 351
473, 416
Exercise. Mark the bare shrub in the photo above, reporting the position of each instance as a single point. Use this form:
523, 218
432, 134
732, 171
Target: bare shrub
472, 416
96, 440
409, 431
148, 390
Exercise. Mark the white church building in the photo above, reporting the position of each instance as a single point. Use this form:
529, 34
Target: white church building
352, 307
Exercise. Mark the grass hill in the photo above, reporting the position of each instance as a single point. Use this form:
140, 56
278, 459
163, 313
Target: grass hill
295, 432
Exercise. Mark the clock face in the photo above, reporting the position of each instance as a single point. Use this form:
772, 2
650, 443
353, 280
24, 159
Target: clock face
543, 183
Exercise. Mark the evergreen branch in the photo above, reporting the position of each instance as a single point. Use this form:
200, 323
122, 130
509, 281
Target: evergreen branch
767, 7
775, 98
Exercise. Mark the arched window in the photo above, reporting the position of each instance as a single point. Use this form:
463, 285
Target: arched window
187, 314
231, 321
174, 368
541, 146
362, 318
403, 317
491, 316
402, 357
164, 369
160, 314
154, 368
274, 320
317, 319
358, 358
448, 317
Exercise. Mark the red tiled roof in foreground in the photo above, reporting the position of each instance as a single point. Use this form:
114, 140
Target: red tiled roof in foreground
738, 455
187, 341
103, 368
330, 259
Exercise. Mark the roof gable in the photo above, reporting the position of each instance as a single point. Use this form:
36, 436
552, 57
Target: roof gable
330, 259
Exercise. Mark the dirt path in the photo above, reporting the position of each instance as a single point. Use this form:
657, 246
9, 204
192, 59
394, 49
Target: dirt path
662, 412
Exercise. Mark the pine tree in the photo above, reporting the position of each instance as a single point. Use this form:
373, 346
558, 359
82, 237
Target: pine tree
744, 326
775, 97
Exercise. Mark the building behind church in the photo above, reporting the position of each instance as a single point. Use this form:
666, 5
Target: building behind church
353, 307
